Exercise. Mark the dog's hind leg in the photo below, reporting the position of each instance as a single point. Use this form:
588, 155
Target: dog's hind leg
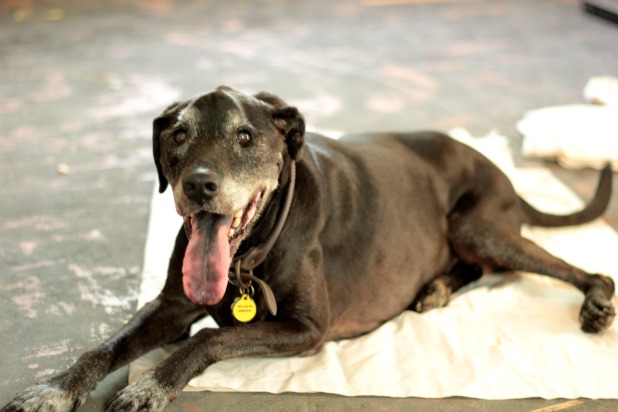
437, 292
494, 246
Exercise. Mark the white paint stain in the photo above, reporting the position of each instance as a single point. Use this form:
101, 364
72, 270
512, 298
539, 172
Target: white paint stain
60, 309
30, 282
93, 235
49, 351
100, 332
28, 247
38, 222
37, 265
26, 302
44, 373
91, 290
30, 297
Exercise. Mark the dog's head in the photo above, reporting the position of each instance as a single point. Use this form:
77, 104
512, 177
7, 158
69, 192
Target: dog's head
222, 154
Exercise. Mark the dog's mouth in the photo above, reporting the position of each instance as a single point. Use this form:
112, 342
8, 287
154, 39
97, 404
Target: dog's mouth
213, 241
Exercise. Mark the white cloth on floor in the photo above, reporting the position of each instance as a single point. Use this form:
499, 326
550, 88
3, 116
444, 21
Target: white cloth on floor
577, 136
505, 336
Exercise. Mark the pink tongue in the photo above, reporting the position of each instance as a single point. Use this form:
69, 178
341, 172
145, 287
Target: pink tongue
207, 260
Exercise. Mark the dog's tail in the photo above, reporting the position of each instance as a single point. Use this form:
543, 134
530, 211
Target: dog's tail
594, 209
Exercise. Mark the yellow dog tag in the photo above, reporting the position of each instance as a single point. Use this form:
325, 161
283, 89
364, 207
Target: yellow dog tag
243, 308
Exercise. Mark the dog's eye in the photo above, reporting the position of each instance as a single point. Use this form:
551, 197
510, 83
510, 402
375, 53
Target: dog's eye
243, 137
180, 138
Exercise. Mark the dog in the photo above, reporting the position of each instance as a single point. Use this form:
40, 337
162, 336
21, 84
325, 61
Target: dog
291, 239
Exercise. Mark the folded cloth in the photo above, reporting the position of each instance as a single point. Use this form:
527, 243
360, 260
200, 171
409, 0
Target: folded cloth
577, 136
505, 336
602, 89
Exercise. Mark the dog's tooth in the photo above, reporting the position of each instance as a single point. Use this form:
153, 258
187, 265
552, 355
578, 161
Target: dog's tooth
231, 233
236, 222
238, 214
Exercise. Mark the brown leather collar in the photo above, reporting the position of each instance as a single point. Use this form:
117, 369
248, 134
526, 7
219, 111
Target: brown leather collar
241, 269
256, 255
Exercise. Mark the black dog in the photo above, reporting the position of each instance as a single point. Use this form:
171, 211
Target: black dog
310, 240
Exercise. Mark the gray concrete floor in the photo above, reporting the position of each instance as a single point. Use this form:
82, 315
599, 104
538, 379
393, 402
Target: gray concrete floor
81, 81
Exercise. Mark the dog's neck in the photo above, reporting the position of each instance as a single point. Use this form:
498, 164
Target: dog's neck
257, 254
241, 270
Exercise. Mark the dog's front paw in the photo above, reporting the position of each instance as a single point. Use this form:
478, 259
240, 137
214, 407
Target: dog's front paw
44, 397
145, 394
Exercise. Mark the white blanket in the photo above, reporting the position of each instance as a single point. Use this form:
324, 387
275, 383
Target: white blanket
577, 136
505, 336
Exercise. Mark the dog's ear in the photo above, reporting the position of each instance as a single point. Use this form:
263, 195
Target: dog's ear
289, 121
271, 99
158, 125
292, 124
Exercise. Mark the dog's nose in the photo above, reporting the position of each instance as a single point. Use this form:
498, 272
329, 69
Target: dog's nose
201, 185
